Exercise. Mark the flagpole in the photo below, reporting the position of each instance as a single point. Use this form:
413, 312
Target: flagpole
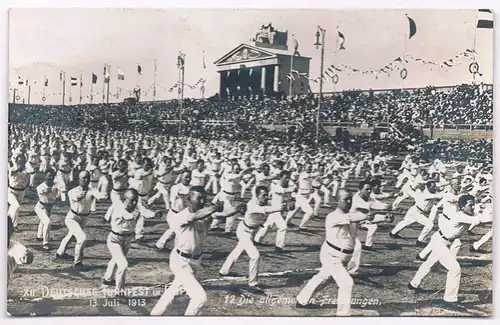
104, 83
290, 84
182, 64
64, 87
14, 96
29, 92
92, 88
474, 46
320, 100
44, 85
109, 81
154, 82
404, 61
81, 83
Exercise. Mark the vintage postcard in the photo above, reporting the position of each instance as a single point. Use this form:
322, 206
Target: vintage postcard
250, 162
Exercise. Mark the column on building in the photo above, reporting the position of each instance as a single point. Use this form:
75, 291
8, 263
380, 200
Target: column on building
276, 78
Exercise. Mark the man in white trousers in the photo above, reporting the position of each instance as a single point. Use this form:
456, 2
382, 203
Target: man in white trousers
178, 194
119, 180
419, 212
19, 178
191, 229
363, 203
335, 253
449, 230
123, 219
47, 194
281, 193
255, 216
485, 217
80, 200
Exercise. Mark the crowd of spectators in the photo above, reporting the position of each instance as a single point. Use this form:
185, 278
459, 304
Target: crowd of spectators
242, 119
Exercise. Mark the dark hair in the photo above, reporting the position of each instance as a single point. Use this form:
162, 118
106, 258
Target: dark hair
284, 173
199, 189
133, 191
200, 161
462, 201
363, 183
428, 183
260, 188
375, 182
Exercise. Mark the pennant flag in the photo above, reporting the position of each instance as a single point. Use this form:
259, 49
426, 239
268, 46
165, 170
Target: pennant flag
341, 40
74, 81
413, 26
120, 74
204, 64
46, 82
94, 78
139, 69
485, 19
295, 46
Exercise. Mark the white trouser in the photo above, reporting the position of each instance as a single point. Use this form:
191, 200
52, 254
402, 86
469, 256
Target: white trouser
415, 215
245, 244
332, 264
228, 199
62, 180
35, 168
214, 182
75, 228
94, 185
326, 194
139, 226
335, 188
317, 202
355, 261
370, 228
184, 277
14, 198
433, 214
43, 212
118, 247
169, 233
273, 219
244, 187
482, 240
302, 203
162, 192
440, 252
401, 179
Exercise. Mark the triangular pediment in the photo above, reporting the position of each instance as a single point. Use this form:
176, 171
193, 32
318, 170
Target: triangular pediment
245, 53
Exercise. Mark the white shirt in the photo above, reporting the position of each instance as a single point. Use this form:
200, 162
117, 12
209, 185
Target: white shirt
143, 181
123, 222
120, 180
454, 225
198, 177
19, 179
80, 200
46, 194
256, 214
189, 235
280, 194
338, 230
177, 194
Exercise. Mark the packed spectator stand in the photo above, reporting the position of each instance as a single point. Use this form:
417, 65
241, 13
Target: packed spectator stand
408, 110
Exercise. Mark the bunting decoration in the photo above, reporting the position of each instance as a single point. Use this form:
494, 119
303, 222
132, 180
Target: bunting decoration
398, 65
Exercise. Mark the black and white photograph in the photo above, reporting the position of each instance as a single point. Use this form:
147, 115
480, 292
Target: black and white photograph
250, 162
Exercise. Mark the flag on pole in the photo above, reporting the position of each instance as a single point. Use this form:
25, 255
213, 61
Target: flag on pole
46, 82
106, 73
94, 78
204, 64
413, 26
341, 40
139, 69
295, 47
120, 74
20, 80
74, 81
485, 19
61, 76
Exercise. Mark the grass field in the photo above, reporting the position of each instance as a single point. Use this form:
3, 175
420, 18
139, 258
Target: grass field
48, 287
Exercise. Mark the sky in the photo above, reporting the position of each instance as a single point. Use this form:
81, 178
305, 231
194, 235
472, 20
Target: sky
42, 42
